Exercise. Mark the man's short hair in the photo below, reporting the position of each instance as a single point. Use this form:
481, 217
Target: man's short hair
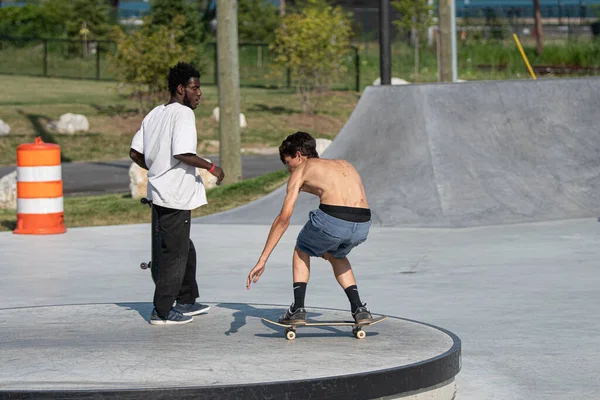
180, 74
299, 141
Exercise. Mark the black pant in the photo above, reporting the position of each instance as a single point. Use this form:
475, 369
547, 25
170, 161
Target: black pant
174, 259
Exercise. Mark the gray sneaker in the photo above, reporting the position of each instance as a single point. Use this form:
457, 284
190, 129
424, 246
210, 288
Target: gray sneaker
297, 317
174, 318
362, 315
191, 309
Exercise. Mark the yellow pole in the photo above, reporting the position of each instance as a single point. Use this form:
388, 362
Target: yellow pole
524, 56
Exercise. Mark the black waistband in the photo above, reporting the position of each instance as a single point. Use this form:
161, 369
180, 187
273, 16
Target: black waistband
351, 214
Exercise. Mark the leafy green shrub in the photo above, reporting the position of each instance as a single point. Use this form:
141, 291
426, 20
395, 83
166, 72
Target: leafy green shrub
313, 45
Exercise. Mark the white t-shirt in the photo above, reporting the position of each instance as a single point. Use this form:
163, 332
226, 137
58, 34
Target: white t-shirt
167, 131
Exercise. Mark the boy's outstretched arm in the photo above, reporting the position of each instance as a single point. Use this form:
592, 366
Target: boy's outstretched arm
279, 226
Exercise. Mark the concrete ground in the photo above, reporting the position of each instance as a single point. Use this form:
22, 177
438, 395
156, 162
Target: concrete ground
524, 299
447, 169
113, 346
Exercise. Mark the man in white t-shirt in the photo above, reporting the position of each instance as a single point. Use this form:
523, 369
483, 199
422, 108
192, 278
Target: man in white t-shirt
166, 145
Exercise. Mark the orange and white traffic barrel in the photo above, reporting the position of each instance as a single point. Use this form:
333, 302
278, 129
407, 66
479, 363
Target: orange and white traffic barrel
39, 189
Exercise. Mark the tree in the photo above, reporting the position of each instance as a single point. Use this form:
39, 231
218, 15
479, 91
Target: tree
47, 20
257, 21
114, 11
416, 17
539, 29
142, 59
313, 44
164, 11
92, 13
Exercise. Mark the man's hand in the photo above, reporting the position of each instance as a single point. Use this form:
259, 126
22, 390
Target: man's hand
218, 172
255, 274
138, 158
195, 161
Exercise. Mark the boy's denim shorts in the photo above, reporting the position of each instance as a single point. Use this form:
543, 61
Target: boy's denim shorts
326, 234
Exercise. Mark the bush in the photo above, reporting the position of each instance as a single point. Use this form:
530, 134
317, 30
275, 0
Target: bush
164, 11
257, 21
47, 20
312, 44
142, 59
56, 18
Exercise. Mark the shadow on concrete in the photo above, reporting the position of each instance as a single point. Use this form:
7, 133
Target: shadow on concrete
144, 309
245, 310
242, 311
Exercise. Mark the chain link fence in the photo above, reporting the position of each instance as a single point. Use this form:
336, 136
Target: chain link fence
75, 59
55, 57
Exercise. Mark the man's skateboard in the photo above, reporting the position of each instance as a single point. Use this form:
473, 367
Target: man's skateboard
155, 241
290, 329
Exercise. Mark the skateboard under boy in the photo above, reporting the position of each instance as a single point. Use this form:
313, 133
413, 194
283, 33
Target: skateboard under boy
155, 241
290, 329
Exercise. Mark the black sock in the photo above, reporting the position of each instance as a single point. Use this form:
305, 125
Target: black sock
352, 293
299, 293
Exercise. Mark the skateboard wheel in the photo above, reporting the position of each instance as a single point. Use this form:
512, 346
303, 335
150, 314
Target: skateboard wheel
290, 335
360, 334
144, 265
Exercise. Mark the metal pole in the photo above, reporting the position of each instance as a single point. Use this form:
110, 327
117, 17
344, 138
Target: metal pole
559, 13
45, 57
453, 39
385, 63
97, 60
216, 63
357, 63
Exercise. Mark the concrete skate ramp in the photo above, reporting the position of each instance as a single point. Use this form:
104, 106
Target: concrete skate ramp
468, 154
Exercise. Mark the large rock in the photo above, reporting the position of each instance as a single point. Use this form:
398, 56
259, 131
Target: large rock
8, 191
208, 179
243, 122
138, 181
395, 81
216, 115
4, 128
72, 123
322, 145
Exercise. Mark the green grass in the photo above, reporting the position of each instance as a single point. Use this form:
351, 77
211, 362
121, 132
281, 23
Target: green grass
27, 104
27, 91
118, 209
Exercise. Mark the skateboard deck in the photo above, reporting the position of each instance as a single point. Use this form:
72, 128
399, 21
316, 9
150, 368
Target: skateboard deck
155, 240
290, 329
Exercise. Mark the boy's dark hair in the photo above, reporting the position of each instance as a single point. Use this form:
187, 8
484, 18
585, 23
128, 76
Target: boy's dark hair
299, 141
180, 74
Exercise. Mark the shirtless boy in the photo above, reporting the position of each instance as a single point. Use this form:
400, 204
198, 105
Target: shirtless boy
341, 222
